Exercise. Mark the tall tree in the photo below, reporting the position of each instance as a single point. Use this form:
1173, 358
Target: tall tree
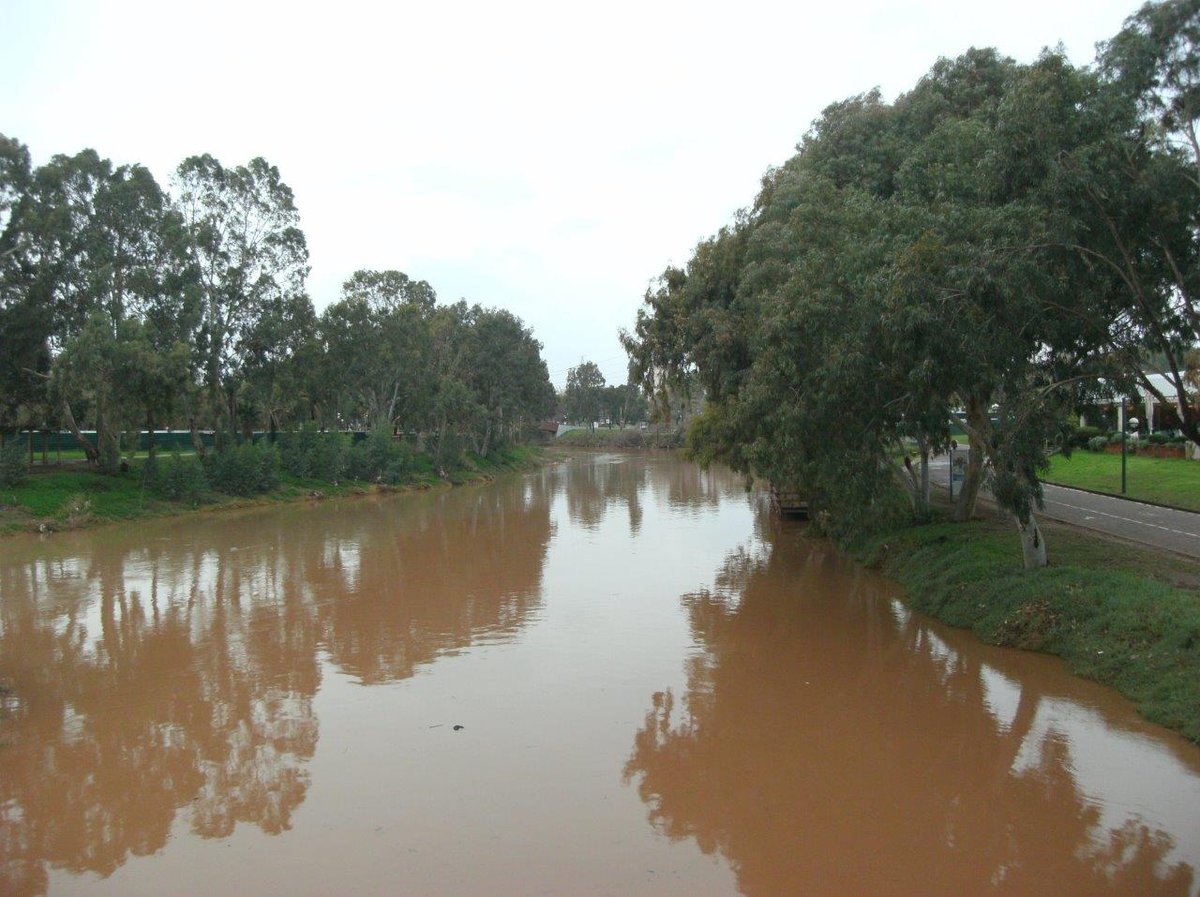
379, 347
24, 360
582, 397
98, 242
251, 258
508, 376
1135, 192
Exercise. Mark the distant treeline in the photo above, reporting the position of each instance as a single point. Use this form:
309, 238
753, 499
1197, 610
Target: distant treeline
125, 306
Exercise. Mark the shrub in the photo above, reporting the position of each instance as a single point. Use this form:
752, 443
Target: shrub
380, 459
150, 473
246, 469
77, 510
13, 466
1083, 436
1158, 438
1097, 443
310, 453
182, 479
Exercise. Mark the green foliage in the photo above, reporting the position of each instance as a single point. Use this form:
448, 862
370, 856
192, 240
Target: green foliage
181, 479
150, 473
995, 243
1082, 437
247, 469
14, 465
380, 459
309, 453
584, 394
124, 307
1097, 443
653, 436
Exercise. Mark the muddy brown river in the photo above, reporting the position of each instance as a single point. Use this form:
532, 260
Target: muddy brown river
618, 675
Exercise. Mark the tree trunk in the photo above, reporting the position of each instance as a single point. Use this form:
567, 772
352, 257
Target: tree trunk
89, 450
151, 448
977, 420
916, 484
926, 484
441, 447
109, 446
1033, 546
197, 441
487, 440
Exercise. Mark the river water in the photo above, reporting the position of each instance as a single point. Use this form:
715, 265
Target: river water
617, 675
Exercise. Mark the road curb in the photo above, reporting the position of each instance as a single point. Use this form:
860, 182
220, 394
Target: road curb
1119, 497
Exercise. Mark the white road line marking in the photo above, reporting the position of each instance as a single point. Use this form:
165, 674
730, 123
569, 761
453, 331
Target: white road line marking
1168, 529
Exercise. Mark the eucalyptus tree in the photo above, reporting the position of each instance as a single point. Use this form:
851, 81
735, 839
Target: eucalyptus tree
905, 263
507, 375
584, 391
379, 345
98, 244
24, 359
271, 392
1134, 191
251, 260
454, 408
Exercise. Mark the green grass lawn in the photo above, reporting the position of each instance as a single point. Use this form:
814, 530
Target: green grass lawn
1165, 480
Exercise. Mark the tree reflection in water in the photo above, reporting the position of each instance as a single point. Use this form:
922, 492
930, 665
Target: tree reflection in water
597, 482
179, 677
830, 743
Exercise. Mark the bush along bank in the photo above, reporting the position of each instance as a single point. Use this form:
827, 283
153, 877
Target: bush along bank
1117, 614
622, 438
302, 465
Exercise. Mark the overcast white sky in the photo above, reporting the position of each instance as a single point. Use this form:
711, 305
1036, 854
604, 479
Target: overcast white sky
550, 158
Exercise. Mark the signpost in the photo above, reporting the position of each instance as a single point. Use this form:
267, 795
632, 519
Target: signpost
958, 467
1125, 427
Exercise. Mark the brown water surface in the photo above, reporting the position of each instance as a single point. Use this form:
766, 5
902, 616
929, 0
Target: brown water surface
617, 675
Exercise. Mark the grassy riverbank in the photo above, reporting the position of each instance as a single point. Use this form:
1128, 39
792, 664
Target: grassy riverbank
73, 499
618, 438
1124, 616
1168, 481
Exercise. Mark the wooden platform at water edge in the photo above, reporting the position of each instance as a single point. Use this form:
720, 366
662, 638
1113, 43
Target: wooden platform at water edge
789, 503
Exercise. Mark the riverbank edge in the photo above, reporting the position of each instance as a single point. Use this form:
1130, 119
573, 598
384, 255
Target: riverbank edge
521, 459
1125, 617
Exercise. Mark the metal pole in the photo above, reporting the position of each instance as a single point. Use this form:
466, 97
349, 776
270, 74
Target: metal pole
1124, 442
952, 474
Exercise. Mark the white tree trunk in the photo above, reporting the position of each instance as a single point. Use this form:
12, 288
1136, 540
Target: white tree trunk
1033, 546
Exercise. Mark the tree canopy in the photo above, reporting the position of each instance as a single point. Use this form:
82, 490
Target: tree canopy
124, 306
984, 252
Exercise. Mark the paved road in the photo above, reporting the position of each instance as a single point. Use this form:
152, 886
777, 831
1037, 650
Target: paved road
1177, 531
